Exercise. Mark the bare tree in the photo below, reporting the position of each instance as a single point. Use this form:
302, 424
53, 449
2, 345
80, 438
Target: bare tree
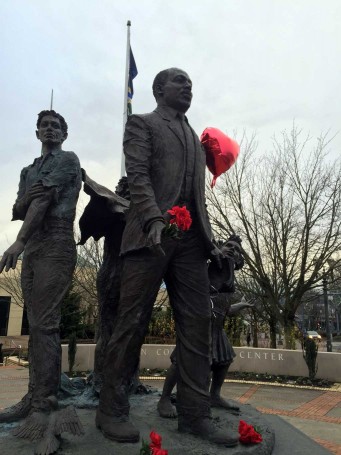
89, 261
286, 207
263, 311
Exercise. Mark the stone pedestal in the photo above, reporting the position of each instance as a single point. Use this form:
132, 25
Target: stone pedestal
145, 416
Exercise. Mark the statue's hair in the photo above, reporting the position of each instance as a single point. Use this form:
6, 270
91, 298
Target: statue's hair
223, 243
234, 238
122, 188
63, 123
161, 78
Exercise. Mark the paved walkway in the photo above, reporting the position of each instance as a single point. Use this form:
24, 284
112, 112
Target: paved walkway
317, 413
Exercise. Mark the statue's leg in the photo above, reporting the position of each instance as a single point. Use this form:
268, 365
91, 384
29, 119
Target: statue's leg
165, 406
188, 287
218, 376
52, 279
108, 291
21, 410
141, 278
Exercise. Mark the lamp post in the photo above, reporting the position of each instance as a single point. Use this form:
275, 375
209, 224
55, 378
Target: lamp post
326, 312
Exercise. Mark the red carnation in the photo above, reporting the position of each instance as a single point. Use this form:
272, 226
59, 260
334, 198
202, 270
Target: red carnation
248, 435
182, 217
156, 440
156, 451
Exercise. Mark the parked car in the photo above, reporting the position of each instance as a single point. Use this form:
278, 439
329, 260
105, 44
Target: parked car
312, 335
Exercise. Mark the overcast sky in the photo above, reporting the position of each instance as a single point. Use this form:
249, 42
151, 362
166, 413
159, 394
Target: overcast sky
255, 65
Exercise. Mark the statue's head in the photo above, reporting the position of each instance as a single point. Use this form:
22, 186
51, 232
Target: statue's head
51, 128
122, 188
233, 249
173, 87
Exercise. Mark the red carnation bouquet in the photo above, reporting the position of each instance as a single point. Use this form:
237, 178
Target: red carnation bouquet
248, 434
154, 446
180, 221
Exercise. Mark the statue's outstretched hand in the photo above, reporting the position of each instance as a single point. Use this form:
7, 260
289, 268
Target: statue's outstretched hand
10, 256
154, 237
249, 303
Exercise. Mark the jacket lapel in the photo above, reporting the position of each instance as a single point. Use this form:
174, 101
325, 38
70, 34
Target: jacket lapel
172, 124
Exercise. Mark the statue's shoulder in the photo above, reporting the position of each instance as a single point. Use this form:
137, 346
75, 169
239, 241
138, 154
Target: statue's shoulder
142, 121
69, 156
25, 169
145, 117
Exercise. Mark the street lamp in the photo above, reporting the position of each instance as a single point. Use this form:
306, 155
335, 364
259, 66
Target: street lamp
326, 312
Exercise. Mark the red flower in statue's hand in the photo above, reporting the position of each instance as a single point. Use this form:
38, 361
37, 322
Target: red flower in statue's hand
156, 440
182, 217
248, 435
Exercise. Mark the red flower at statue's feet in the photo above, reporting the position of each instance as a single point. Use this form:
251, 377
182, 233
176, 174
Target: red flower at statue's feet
154, 447
156, 451
156, 440
248, 435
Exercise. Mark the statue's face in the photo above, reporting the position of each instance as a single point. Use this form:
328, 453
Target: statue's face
177, 91
232, 249
50, 131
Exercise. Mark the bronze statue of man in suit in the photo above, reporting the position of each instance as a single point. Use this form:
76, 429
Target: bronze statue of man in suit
165, 166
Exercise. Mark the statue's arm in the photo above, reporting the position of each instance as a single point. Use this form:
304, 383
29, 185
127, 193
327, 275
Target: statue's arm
237, 307
38, 199
33, 219
138, 150
22, 204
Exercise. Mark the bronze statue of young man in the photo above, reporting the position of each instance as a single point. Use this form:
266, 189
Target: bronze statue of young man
46, 202
165, 166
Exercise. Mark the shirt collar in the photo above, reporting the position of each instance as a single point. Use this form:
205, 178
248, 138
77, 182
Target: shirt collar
41, 159
171, 113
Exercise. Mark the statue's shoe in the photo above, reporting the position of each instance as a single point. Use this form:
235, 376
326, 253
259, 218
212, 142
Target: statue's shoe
116, 431
205, 429
17, 411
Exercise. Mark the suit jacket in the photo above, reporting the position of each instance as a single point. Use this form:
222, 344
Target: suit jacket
155, 163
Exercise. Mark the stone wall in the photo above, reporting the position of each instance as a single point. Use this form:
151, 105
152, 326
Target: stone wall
272, 361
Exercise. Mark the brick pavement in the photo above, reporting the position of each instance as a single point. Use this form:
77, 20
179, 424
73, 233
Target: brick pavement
315, 409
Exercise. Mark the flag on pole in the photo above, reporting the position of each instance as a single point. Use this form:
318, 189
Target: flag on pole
132, 74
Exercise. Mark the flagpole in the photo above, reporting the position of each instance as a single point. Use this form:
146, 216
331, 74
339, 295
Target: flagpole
125, 101
51, 104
